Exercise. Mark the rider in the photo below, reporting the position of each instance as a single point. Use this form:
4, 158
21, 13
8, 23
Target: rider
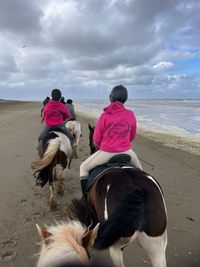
54, 114
62, 100
45, 101
113, 134
70, 106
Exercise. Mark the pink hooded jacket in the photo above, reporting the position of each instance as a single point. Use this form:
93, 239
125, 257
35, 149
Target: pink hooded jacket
55, 113
115, 129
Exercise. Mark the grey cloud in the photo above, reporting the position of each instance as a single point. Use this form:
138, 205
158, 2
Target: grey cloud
19, 16
7, 64
91, 45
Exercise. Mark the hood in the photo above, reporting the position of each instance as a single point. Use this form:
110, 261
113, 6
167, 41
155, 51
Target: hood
114, 108
53, 103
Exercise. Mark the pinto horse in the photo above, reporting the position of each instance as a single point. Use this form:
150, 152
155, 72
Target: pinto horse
129, 204
55, 154
74, 127
65, 243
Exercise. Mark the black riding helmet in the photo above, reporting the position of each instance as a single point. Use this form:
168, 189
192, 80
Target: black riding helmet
119, 93
56, 94
69, 101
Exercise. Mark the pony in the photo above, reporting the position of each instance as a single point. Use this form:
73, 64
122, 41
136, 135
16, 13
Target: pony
129, 205
64, 243
92, 146
55, 154
74, 127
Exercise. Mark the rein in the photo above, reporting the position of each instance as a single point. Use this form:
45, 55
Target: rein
152, 166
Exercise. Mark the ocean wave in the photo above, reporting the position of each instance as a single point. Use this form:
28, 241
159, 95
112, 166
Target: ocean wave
185, 143
175, 137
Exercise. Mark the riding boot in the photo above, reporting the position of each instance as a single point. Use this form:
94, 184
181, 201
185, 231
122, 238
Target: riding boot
84, 185
84, 188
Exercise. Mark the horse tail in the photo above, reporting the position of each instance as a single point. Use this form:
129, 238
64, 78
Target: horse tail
49, 155
128, 218
79, 209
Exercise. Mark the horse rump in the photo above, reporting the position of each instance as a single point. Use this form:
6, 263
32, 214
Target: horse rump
128, 218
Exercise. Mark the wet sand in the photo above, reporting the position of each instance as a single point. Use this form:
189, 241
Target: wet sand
22, 204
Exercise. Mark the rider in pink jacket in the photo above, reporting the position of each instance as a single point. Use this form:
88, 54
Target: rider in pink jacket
54, 114
114, 132
115, 129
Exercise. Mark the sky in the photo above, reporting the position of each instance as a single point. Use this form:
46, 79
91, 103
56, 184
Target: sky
86, 47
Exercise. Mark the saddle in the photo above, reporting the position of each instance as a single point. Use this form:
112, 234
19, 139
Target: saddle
60, 130
71, 119
56, 129
117, 161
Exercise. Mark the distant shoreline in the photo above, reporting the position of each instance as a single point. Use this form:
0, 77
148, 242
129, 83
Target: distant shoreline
88, 99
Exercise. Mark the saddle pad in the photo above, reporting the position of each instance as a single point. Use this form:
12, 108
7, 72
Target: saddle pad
95, 173
116, 161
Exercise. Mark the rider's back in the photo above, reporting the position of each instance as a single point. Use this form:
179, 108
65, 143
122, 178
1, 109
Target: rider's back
70, 107
55, 113
115, 129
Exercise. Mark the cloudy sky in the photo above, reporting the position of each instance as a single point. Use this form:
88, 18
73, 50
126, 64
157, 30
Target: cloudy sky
85, 47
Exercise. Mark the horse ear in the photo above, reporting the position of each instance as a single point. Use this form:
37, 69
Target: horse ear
44, 234
89, 237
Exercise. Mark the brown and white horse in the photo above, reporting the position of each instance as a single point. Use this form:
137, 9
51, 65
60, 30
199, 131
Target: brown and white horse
65, 243
74, 127
55, 153
129, 204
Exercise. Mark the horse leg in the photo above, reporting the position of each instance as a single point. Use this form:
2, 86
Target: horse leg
60, 184
76, 151
77, 144
52, 201
155, 248
116, 255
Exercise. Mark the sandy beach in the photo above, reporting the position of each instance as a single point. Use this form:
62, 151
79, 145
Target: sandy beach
22, 204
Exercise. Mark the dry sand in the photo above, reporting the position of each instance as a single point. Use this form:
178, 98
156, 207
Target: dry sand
22, 204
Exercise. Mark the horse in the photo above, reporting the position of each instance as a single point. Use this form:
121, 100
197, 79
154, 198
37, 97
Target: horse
92, 146
55, 154
65, 243
74, 127
129, 205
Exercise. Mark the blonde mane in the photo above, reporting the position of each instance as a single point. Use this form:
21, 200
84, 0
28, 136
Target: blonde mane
63, 244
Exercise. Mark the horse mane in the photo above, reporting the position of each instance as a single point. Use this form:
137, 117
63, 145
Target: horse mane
79, 265
63, 245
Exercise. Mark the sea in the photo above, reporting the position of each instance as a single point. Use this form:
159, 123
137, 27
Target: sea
174, 123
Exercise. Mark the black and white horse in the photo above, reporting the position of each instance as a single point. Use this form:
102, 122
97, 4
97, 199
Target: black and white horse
129, 205
55, 153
